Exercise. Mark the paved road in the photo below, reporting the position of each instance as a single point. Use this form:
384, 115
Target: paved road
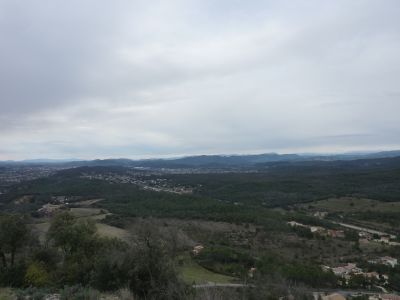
364, 229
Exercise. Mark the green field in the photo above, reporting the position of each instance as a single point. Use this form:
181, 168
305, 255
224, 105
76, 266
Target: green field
97, 214
194, 273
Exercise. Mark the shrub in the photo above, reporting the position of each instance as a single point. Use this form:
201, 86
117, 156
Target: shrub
37, 275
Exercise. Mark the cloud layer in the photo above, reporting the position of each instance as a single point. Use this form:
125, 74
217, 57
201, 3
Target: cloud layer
138, 79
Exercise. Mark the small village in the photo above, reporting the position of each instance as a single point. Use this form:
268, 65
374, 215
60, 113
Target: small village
15, 174
345, 272
156, 185
350, 271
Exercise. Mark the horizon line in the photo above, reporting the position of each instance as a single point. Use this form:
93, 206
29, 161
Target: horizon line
179, 156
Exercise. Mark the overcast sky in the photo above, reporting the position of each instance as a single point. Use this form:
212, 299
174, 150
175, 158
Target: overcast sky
97, 78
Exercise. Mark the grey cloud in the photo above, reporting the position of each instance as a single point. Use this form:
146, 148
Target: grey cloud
130, 78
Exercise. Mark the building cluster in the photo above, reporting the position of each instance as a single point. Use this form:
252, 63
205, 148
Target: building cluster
17, 174
349, 270
366, 237
157, 184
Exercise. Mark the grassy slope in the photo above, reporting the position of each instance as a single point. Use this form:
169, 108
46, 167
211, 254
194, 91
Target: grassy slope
194, 273
41, 226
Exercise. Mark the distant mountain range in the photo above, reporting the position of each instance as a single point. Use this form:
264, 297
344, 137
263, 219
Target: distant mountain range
209, 161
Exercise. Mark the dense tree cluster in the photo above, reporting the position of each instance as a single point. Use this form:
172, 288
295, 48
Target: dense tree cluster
75, 255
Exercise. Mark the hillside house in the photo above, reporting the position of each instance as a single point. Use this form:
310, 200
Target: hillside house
347, 270
197, 249
385, 260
